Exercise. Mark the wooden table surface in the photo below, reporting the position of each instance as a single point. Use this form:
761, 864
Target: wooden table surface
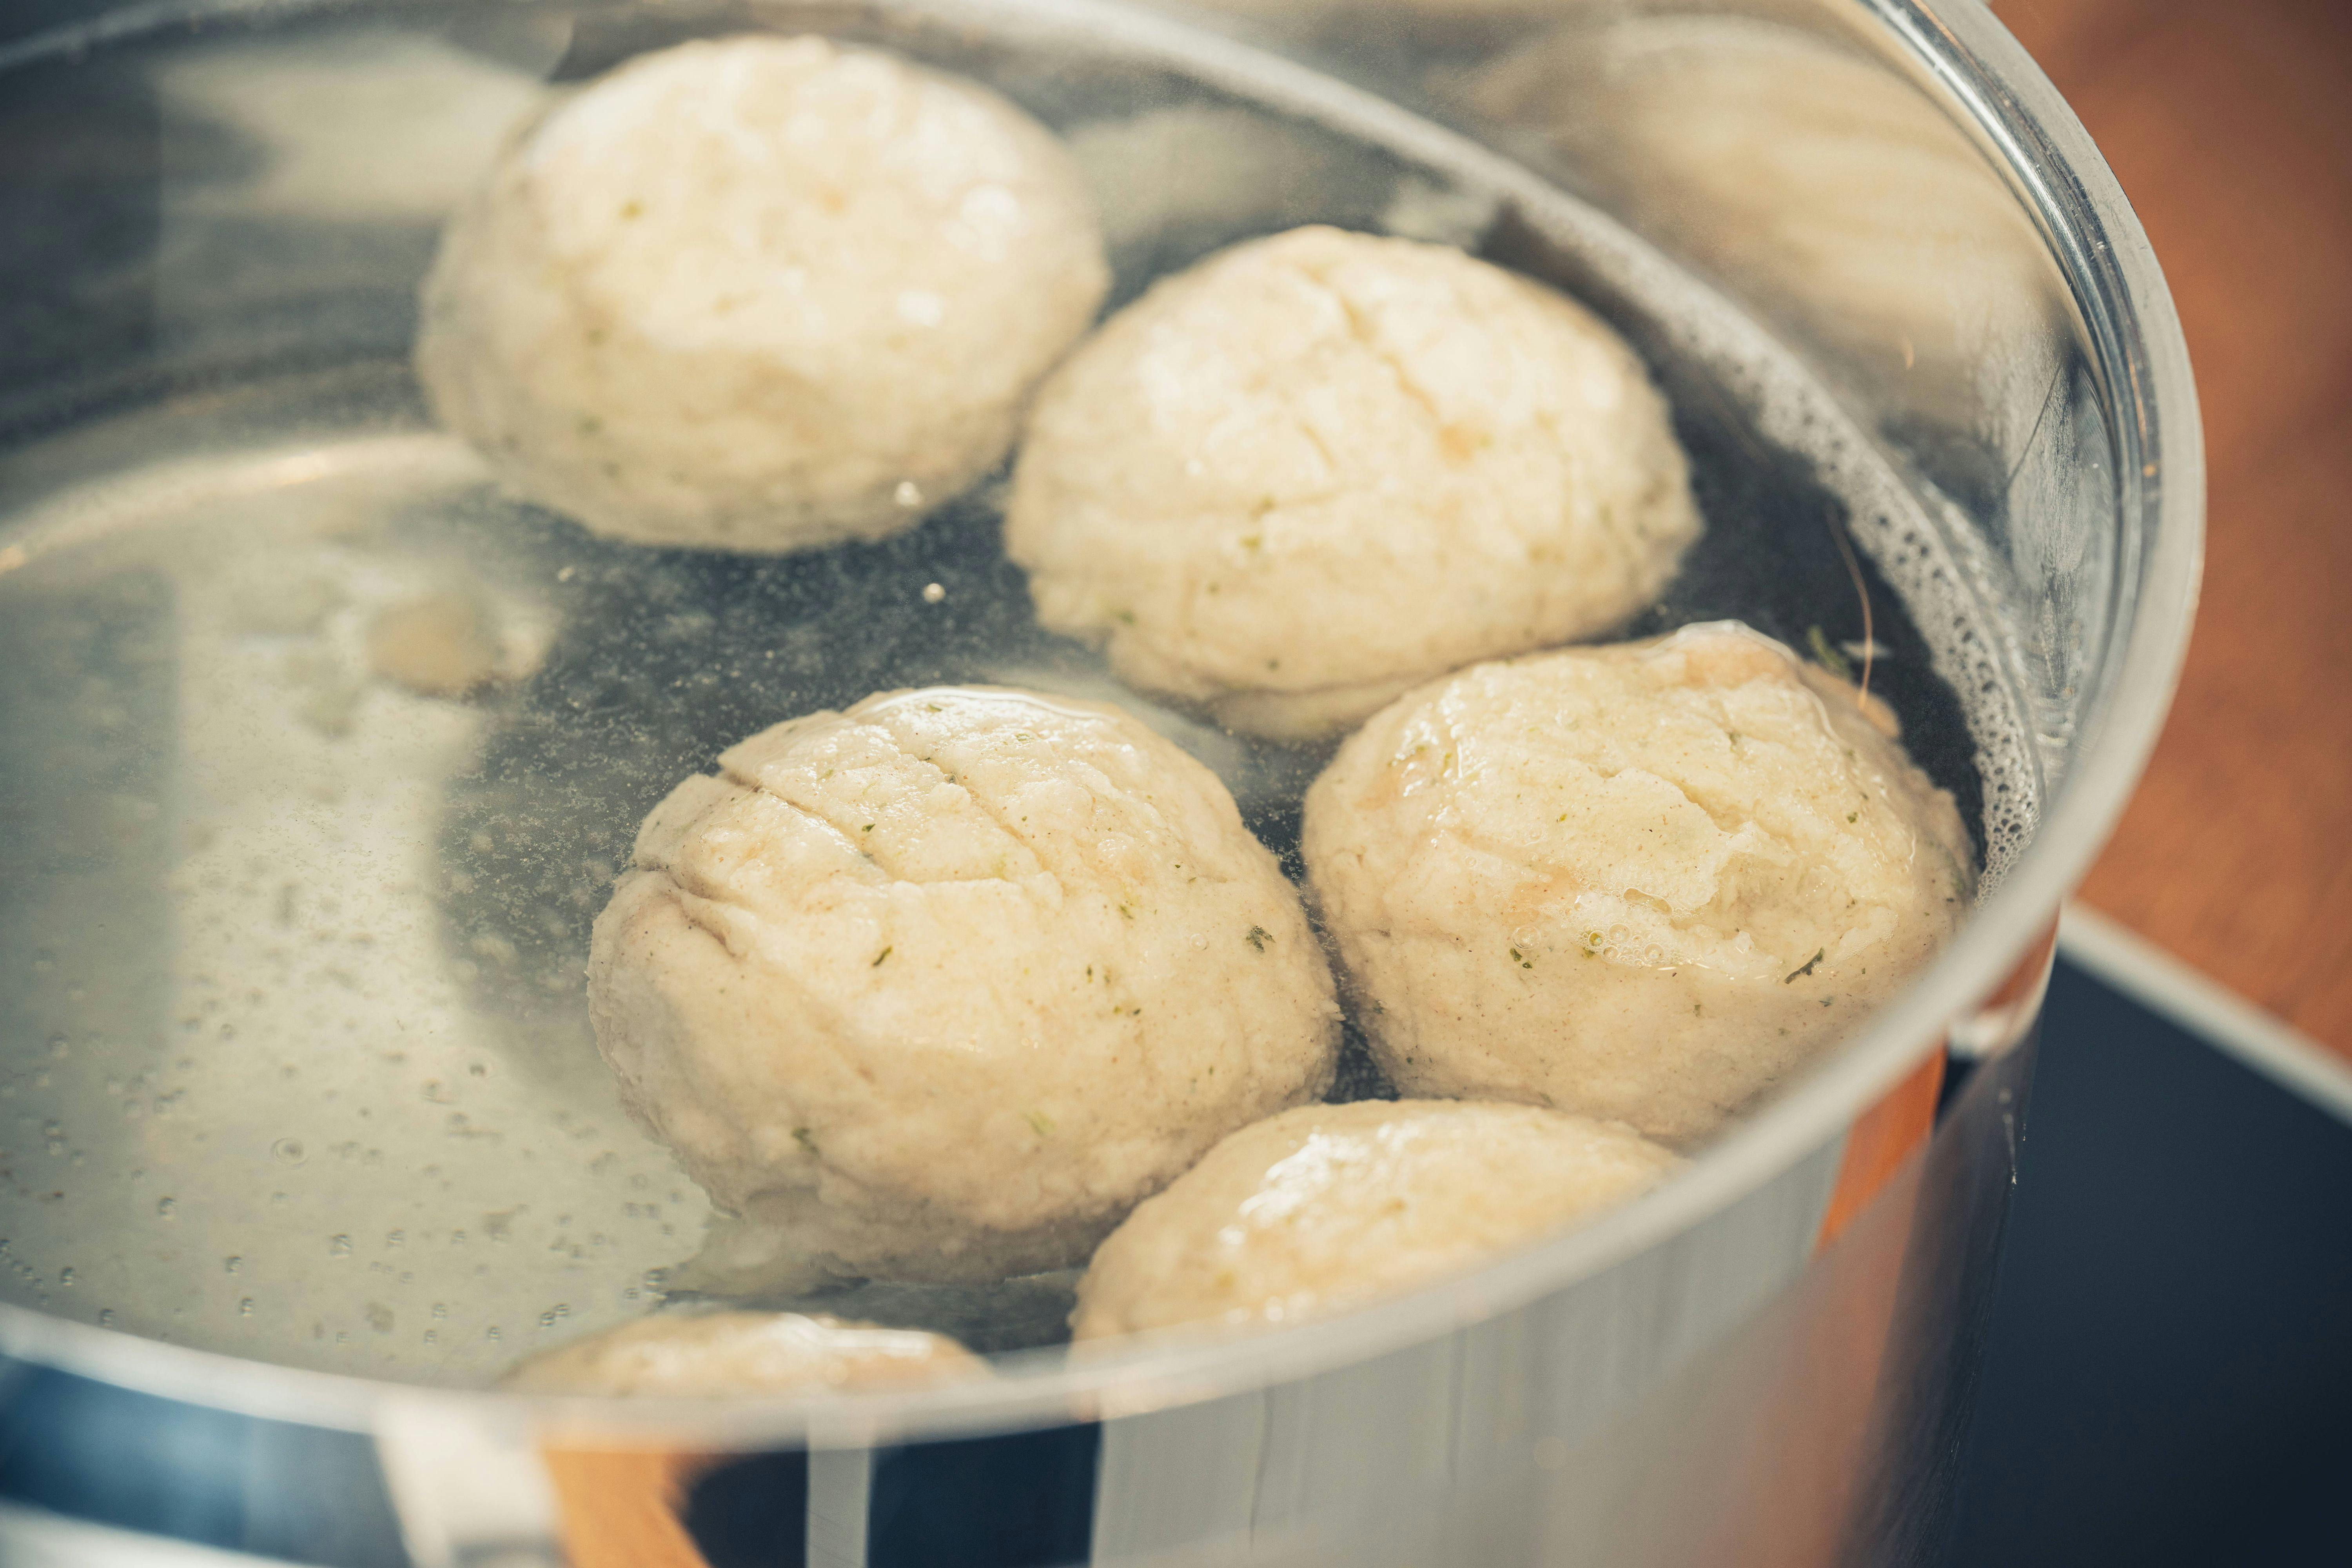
2228, 123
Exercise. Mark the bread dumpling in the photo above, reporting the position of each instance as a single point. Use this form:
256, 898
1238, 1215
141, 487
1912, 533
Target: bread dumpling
1647, 882
1318, 469
937, 989
760, 294
719, 1355
1328, 1205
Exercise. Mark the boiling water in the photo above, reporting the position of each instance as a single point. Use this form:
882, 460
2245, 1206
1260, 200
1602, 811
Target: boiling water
296, 1062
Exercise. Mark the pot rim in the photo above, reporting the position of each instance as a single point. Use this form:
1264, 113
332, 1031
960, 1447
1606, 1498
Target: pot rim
2141, 360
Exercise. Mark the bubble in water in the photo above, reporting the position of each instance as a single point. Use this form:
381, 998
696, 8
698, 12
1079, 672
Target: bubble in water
244, 1307
492, 1332
396, 1238
432, 1337
288, 1152
66, 1277
231, 1265
440, 1309
657, 1278
554, 1315
166, 1207
106, 1319
339, 1247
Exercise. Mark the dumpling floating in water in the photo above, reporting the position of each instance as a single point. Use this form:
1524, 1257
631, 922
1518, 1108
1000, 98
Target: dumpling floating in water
938, 988
760, 294
1330, 1205
1318, 469
720, 1356
1647, 882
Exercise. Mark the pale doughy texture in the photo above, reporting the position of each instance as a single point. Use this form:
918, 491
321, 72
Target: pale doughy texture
1318, 469
1643, 882
939, 988
760, 294
719, 1355
1328, 1204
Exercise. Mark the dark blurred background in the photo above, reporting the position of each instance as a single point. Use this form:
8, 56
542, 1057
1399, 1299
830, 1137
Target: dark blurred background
2170, 1359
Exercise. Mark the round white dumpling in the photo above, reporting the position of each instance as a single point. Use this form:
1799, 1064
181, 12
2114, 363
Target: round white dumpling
760, 294
938, 988
719, 1355
1328, 1204
1318, 469
1644, 882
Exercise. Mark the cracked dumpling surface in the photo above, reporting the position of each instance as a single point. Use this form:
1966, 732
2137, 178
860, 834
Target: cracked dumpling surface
1318, 469
760, 294
939, 988
1326, 1205
1644, 882
719, 1355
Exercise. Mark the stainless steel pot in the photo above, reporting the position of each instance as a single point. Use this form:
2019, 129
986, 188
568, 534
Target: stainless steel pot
1876, 262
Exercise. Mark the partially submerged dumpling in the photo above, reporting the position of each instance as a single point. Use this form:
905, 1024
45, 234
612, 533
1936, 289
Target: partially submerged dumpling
719, 1355
1646, 882
940, 987
760, 293
1850, 209
1321, 468
1331, 1204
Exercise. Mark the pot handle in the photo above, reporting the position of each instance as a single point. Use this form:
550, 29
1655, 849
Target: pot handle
619, 1508
624, 1508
